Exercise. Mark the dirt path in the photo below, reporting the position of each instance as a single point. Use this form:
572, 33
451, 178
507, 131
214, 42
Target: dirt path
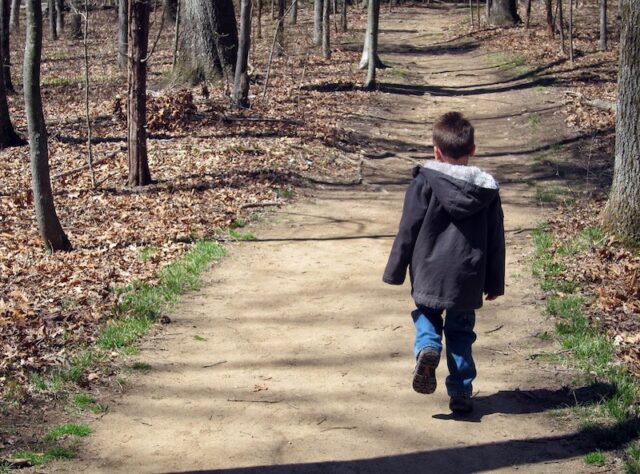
306, 363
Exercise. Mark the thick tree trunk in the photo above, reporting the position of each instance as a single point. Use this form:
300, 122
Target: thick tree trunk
317, 22
549, 10
602, 46
241, 80
138, 13
561, 26
53, 30
343, 16
372, 40
15, 15
622, 212
294, 12
46, 217
209, 41
503, 12
5, 13
326, 29
59, 15
123, 28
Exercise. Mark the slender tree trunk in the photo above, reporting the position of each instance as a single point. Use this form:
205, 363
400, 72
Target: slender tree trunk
622, 212
317, 22
171, 9
241, 80
176, 37
603, 25
343, 17
326, 29
48, 223
259, 25
471, 13
280, 32
15, 15
561, 26
59, 15
503, 13
53, 31
139, 174
372, 32
528, 14
123, 28
8, 135
549, 9
294, 12
571, 31
478, 11
5, 13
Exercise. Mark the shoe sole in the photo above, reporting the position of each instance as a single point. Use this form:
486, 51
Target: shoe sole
424, 376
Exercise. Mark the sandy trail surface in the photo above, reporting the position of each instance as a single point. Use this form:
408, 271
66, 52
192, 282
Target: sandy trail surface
295, 357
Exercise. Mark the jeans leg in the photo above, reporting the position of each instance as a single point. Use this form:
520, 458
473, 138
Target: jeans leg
458, 331
428, 323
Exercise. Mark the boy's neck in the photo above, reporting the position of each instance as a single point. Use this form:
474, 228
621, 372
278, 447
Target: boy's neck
462, 161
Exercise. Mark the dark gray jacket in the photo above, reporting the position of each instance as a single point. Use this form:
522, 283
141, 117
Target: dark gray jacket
451, 237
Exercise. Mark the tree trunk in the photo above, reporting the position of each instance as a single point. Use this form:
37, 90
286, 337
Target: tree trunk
294, 12
364, 59
8, 136
549, 9
75, 27
603, 25
343, 17
5, 13
317, 22
59, 15
259, 19
571, 31
561, 26
15, 15
48, 223
372, 39
622, 212
138, 14
171, 9
528, 14
123, 27
241, 81
326, 29
503, 13
280, 32
53, 31
209, 41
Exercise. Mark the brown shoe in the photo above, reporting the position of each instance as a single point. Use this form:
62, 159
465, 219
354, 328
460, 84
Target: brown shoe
461, 405
424, 375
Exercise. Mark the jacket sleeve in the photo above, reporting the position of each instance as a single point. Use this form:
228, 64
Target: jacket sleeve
415, 206
494, 280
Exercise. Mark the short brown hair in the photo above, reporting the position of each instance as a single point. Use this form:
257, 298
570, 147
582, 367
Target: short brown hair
453, 134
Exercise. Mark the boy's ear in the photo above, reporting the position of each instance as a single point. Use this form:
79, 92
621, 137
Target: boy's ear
437, 154
473, 151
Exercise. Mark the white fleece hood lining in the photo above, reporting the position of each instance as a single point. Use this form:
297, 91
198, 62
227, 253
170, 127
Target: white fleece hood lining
471, 174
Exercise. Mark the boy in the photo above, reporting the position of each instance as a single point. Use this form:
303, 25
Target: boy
451, 237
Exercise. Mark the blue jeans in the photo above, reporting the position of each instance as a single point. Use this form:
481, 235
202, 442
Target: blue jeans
459, 336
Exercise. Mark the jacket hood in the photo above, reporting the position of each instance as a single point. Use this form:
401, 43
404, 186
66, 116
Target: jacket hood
462, 190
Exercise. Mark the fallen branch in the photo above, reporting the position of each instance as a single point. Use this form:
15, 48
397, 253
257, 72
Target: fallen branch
494, 329
214, 364
85, 166
262, 119
239, 400
260, 204
596, 103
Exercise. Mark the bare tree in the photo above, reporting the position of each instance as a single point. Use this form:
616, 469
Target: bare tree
8, 135
622, 211
280, 28
241, 80
53, 26
561, 26
48, 223
317, 22
259, 18
503, 12
123, 28
5, 13
59, 4
571, 31
294, 12
548, 5
528, 9
208, 42
138, 40
603, 25
343, 16
372, 33
15, 15
326, 29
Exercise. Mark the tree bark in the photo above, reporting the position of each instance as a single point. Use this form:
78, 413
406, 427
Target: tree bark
602, 46
138, 41
343, 17
171, 9
622, 211
571, 31
280, 32
372, 39
5, 13
15, 15
259, 19
317, 22
59, 15
209, 41
528, 14
53, 31
503, 13
123, 28
75, 26
48, 223
8, 135
294, 12
326, 29
549, 10
241, 81
561, 26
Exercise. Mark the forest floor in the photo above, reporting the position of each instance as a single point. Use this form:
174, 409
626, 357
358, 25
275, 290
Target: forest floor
294, 357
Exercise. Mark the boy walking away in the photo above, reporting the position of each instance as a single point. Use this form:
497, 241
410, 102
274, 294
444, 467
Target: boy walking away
451, 237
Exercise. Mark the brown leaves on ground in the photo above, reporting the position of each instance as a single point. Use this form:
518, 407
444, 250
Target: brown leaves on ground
209, 162
609, 275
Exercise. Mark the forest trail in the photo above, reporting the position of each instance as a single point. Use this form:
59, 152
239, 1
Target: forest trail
295, 357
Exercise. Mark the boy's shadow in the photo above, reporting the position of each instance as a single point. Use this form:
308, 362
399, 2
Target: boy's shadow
519, 402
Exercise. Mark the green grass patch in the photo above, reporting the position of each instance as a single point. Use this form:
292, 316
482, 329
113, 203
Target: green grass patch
508, 62
86, 402
235, 235
632, 459
38, 459
69, 429
140, 366
199, 338
535, 120
147, 253
596, 458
